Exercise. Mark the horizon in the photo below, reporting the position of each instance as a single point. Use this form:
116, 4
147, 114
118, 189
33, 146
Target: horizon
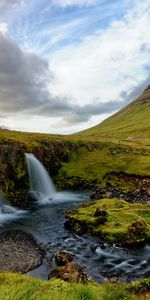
67, 65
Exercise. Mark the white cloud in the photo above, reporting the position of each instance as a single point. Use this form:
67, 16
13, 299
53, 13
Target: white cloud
74, 2
3, 28
108, 62
8, 3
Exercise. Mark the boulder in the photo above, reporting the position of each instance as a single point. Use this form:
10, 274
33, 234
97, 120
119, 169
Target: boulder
70, 272
7, 209
19, 252
62, 258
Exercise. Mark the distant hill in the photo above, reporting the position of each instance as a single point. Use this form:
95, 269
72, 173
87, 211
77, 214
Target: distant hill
132, 122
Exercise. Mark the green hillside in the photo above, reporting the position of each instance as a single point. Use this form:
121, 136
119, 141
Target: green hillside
120, 144
132, 122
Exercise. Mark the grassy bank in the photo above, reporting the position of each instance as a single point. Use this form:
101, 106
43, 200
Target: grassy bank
113, 219
19, 287
72, 161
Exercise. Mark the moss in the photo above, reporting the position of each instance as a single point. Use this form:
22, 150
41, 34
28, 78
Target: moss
123, 223
141, 286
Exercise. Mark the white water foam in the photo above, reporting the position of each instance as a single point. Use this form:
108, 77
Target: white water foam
8, 213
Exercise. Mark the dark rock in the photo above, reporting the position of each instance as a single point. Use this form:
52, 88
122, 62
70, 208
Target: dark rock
100, 213
77, 227
100, 220
62, 258
19, 252
136, 233
70, 272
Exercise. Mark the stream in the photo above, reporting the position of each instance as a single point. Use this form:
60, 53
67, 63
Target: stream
100, 260
46, 224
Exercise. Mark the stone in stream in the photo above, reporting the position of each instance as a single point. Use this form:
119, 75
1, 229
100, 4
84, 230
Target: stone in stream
6, 209
19, 252
70, 272
63, 257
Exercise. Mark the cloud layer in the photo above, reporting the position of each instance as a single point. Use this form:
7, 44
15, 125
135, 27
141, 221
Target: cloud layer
24, 79
71, 64
74, 2
108, 62
8, 3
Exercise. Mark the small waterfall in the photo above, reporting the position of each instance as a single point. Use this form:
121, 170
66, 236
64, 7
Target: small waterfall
40, 181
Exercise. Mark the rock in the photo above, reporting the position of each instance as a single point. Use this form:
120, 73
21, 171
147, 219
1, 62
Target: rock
6, 209
100, 213
19, 252
62, 258
114, 152
136, 233
148, 192
78, 228
100, 220
70, 272
108, 194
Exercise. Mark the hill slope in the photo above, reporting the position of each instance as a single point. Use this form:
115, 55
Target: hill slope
116, 151
132, 122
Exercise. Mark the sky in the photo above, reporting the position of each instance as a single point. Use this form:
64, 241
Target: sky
66, 65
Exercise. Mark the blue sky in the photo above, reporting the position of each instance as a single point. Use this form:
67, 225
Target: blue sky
84, 59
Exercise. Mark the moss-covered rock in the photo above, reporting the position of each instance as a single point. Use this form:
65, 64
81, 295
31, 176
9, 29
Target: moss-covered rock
136, 232
70, 272
124, 223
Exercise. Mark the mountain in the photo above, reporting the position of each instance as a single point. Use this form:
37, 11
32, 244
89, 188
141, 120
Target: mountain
132, 122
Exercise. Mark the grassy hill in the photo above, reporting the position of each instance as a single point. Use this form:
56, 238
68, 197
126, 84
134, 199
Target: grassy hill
120, 144
124, 146
132, 122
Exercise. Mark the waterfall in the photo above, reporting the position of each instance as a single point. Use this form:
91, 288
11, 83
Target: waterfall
39, 179
42, 188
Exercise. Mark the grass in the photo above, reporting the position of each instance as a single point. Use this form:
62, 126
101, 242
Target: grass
98, 163
131, 123
74, 159
19, 287
119, 144
122, 223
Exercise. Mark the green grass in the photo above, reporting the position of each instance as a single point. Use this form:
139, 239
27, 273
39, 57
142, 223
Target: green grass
131, 123
19, 287
119, 144
121, 216
96, 164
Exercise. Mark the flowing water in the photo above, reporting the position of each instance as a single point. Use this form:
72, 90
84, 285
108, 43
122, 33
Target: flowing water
39, 179
101, 260
9, 213
46, 223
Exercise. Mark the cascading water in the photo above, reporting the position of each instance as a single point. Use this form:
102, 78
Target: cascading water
8, 213
42, 186
40, 181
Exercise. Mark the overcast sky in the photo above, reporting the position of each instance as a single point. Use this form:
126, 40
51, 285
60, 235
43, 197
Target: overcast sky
66, 65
